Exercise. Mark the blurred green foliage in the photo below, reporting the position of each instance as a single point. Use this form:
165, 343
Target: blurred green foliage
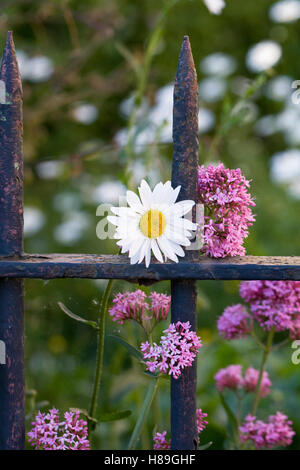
88, 43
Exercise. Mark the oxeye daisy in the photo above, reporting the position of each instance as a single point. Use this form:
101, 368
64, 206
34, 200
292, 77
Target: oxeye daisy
153, 223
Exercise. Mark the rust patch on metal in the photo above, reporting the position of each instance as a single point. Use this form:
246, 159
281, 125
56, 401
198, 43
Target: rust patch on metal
183, 293
12, 429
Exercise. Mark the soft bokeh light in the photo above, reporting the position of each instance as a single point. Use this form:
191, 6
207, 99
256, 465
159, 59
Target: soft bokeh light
212, 89
263, 56
218, 63
34, 220
85, 113
35, 69
285, 11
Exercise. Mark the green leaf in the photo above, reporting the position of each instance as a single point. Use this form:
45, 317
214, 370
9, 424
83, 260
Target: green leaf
114, 416
70, 314
205, 446
229, 413
131, 349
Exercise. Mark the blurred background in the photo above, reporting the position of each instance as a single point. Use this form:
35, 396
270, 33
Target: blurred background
97, 81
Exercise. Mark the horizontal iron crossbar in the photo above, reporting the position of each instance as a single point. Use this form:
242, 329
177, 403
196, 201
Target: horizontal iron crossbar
118, 267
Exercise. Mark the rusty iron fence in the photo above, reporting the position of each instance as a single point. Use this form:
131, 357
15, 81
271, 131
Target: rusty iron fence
15, 265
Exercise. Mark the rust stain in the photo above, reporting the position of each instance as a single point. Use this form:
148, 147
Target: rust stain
11, 244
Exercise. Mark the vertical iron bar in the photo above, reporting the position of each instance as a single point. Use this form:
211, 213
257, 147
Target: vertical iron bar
12, 428
183, 293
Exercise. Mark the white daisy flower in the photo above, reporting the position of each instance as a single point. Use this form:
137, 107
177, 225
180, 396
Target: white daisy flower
153, 223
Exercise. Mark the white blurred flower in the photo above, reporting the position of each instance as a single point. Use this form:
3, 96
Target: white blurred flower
292, 135
285, 166
139, 170
212, 89
279, 88
215, 6
285, 11
34, 69
50, 169
126, 107
158, 124
294, 189
72, 229
287, 119
206, 120
34, 220
85, 113
266, 126
108, 192
161, 115
263, 55
218, 63
66, 201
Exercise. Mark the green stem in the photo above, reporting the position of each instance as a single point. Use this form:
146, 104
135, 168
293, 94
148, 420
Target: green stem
100, 350
259, 342
143, 414
266, 353
239, 409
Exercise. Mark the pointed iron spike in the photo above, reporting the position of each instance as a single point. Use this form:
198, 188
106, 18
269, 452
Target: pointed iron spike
9, 70
185, 124
11, 157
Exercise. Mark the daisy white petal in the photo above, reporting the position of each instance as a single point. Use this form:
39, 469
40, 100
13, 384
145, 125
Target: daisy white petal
174, 195
113, 219
166, 248
156, 251
183, 207
143, 250
145, 194
157, 193
148, 255
136, 246
177, 238
178, 250
134, 259
134, 202
121, 211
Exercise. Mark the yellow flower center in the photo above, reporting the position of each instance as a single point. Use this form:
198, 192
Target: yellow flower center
153, 223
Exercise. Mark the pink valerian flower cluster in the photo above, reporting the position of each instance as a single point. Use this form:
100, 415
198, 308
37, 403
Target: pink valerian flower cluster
251, 379
231, 378
137, 306
201, 420
275, 432
228, 213
295, 328
274, 304
178, 349
49, 433
160, 441
235, 322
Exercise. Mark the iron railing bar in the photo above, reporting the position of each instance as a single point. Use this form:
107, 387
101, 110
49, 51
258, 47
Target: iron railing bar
184, 292
92, 266
12, 382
